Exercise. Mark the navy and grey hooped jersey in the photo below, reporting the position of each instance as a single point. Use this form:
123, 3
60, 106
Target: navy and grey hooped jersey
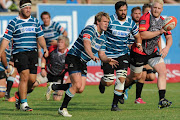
24, 33
88, 33
118, 34
52, 32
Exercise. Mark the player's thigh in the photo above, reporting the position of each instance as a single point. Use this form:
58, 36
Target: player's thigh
73, 64
108, 71
21, 61
121, 70
33, 61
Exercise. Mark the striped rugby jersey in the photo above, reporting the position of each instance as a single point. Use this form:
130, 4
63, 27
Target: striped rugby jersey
52, 32
8, 51
118, 34
88, 33
24, 33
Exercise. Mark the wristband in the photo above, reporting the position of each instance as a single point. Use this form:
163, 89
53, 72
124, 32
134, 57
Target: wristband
138, 45
42, 68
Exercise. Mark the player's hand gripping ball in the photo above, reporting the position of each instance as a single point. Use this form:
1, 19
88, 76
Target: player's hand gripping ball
169, 23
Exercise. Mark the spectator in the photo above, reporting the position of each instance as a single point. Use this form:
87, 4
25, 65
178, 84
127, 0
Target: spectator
78, 1
4, 5
166, 1
45, 1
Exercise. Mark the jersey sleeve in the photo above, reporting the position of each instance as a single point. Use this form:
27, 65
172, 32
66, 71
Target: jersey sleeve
88, 34
135, 29
8, 35
59, 28
39, 30
144, 22
131, 39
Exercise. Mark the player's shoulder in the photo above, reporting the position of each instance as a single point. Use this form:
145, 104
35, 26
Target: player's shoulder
90, 27
113, 18
13, 21
52, 48
35, 19
129, 20
145, 16
161, 17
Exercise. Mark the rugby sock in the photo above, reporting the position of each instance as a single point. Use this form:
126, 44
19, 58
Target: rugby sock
161, 94
117, 96
61, 86
139, 87
23, 100
10, 81
67, 98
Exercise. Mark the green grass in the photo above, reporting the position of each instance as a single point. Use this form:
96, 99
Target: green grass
91, 105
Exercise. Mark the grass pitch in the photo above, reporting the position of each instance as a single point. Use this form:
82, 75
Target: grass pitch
91, 105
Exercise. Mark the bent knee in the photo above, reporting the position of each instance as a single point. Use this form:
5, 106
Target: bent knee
109, 83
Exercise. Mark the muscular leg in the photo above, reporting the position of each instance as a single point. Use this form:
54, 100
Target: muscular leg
161, 83
31, 81
23, 85
76, 80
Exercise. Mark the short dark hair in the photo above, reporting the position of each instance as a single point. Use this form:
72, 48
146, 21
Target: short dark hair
135, 8
119, 4
146, 6
45, 13
23, 2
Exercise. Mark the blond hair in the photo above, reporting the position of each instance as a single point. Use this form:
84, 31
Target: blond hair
64, 38
158, 1
99, 16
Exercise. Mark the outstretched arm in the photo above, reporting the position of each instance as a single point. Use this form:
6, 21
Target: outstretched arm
105, 59
88, 49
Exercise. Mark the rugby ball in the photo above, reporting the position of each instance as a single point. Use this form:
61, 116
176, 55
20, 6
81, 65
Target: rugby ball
11, 70
169, 23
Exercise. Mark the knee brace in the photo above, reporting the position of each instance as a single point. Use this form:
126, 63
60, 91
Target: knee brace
108, 78
3, 88
118, 84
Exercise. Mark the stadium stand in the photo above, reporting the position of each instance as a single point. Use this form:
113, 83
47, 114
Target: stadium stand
35, 2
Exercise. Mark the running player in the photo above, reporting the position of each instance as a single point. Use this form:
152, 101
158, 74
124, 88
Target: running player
151, 30
89, 42
118, 33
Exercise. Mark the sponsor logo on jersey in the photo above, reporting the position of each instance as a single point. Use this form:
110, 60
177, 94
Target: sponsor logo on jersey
120, 33
143, 22
47, 35
28, 29
142, 28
